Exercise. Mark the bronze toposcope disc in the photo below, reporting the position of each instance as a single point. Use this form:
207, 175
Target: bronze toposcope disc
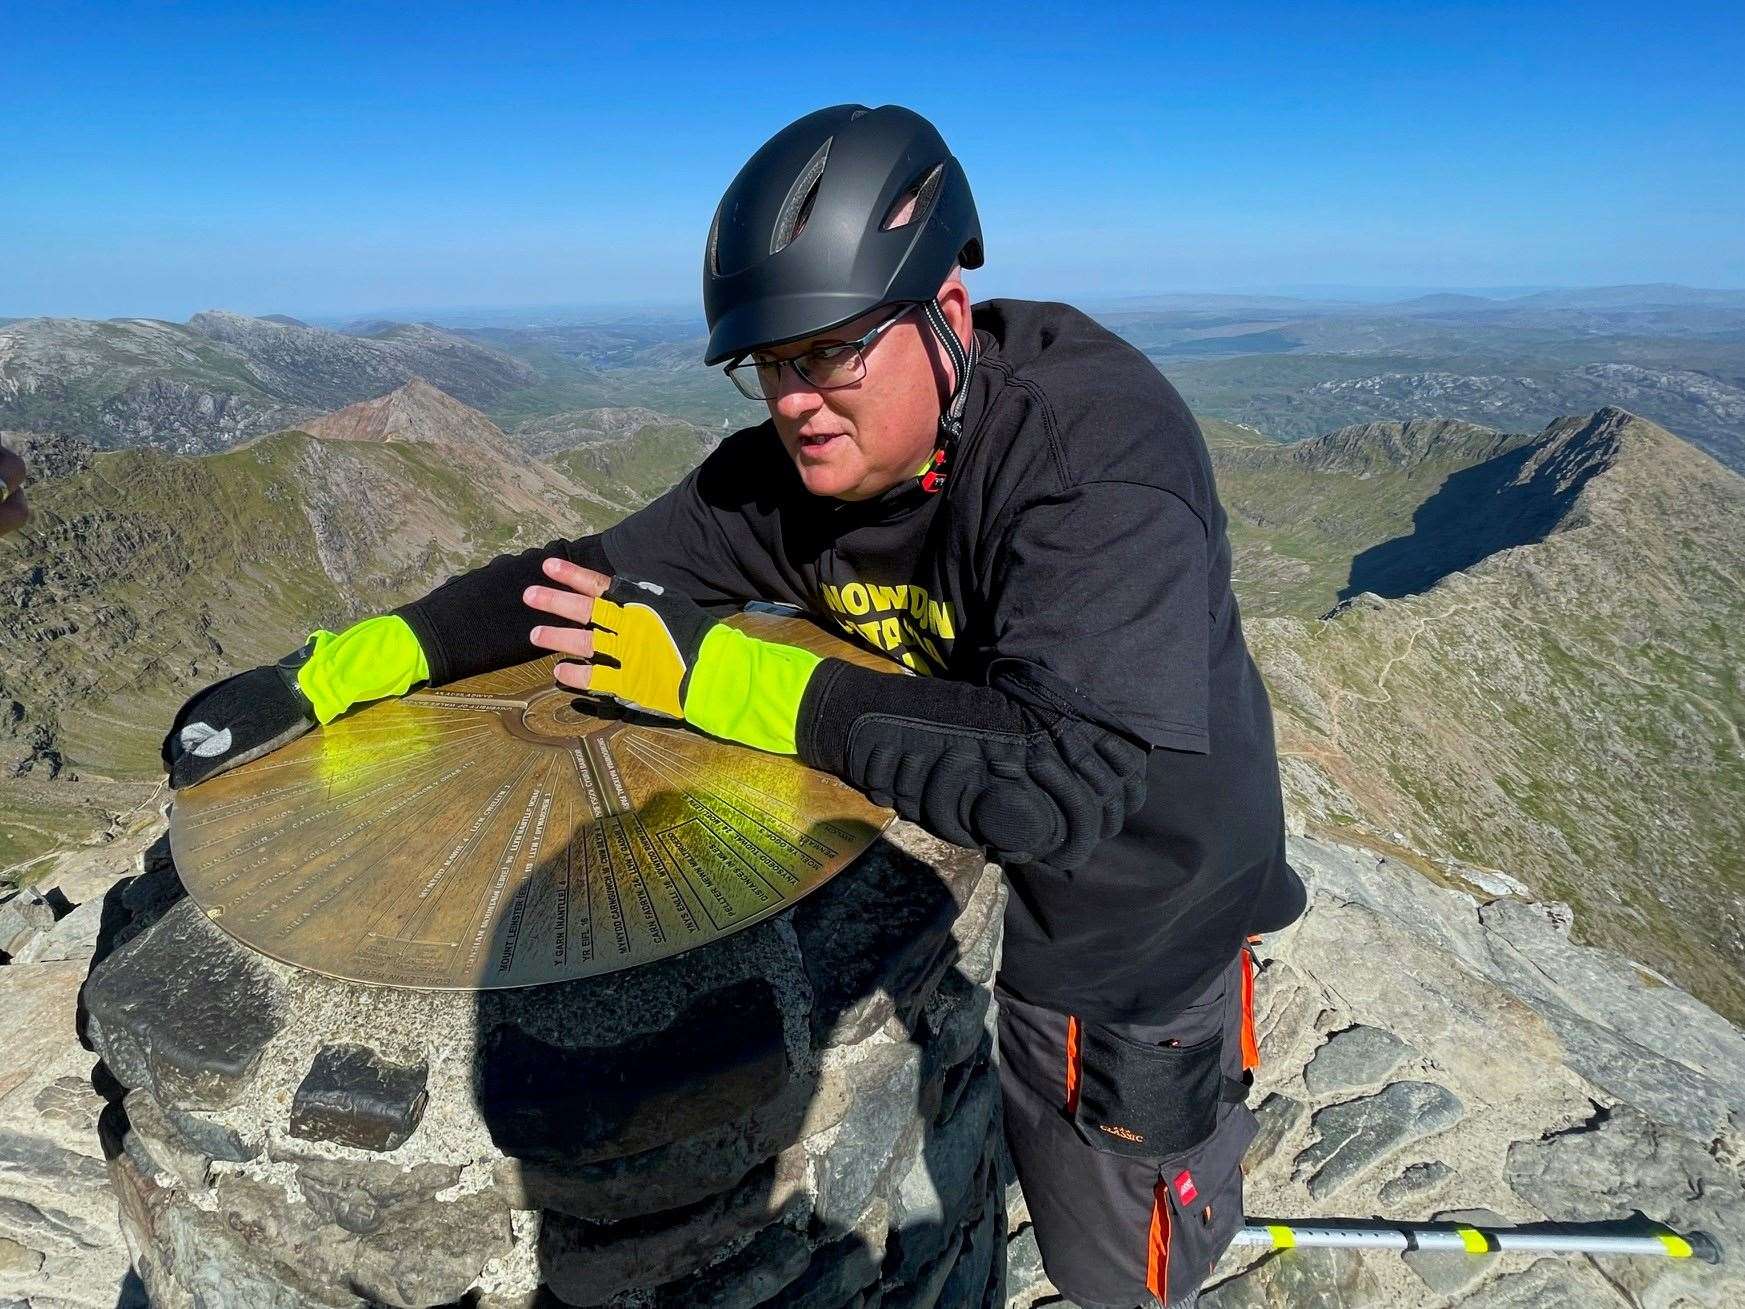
502, 831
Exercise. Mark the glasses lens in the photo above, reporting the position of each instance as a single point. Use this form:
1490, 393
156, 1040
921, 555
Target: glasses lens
749, 378
838, 365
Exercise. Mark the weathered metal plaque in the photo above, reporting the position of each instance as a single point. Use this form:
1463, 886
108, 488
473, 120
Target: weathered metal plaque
503, 831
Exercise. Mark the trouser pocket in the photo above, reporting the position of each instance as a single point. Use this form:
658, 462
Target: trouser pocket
1197, 1207
1142, 1100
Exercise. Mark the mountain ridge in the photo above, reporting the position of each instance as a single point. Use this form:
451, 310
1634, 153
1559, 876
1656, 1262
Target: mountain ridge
1543, 709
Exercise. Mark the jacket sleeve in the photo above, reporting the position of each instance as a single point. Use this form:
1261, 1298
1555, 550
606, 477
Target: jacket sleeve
1100, 633
1025, 768
476, 622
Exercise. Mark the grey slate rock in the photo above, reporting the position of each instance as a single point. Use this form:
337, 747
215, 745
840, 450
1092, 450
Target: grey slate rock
1325, 1279
158, 1147
937, 1188
860, 1155
23, 914
1557, 1284
1279, 1115
755, 1274
217, 1140
1450, 1274
922, 1290
185, 1010
352, 1096
1354, 1058
841, 1268
1024, 1270
46, 1227
983, 1249
1417, 1180
1622, 1164
588, 1262
1357, 1134
45, 1163
876, 943
73, 937
69, 1102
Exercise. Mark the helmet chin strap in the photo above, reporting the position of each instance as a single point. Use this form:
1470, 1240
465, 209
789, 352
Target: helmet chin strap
951, 414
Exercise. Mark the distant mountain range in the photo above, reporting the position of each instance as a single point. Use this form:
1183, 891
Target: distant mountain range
1291, 368
1295, 368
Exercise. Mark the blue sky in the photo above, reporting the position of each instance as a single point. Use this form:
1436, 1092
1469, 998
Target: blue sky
163, 158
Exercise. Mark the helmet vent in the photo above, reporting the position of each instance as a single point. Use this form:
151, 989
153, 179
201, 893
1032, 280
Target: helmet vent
912, 205
797, 207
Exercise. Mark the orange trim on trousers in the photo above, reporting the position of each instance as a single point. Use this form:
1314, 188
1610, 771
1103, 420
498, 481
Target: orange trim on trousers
1072, 1064
1157, 1254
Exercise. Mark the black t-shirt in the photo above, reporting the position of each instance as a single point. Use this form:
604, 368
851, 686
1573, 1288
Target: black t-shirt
1079, 528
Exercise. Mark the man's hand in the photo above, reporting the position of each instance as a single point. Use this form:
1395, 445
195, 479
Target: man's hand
236, 720
650, 636
13, 509
245, 716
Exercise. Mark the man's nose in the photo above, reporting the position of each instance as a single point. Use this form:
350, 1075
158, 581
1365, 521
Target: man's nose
795, 397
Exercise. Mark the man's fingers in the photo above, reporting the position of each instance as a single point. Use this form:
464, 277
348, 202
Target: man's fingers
574, 676
577, 578
562, 604
564, 640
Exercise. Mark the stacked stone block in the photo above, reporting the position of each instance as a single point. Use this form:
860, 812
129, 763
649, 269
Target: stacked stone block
804, 1114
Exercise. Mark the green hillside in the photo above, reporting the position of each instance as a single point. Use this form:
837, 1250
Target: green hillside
147, 575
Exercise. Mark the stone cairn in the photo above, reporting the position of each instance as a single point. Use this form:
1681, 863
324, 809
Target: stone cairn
803, 1114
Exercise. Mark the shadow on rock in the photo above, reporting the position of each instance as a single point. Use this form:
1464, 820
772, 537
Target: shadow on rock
803, 1114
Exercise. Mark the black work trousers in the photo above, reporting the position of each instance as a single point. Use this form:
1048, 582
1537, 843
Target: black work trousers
1118, 1225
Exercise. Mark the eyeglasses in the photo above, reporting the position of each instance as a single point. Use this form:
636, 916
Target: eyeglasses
826, 368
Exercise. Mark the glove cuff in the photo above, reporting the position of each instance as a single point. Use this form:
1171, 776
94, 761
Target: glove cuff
746, 690
369, 660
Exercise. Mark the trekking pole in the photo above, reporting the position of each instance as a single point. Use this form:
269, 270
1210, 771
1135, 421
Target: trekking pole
1458, 1238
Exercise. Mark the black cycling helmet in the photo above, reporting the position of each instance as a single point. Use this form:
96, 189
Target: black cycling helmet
802, 241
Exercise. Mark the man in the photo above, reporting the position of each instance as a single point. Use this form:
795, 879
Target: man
13, 510
1015, 504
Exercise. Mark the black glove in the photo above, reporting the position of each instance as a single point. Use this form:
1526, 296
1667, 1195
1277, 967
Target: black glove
238, 719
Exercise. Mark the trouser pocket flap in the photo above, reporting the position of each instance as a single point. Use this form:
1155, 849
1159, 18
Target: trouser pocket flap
1145, 1101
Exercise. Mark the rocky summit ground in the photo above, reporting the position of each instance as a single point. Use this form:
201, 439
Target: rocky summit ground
1426, 1053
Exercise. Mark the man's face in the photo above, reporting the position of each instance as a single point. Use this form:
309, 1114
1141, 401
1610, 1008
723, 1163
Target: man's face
855, 441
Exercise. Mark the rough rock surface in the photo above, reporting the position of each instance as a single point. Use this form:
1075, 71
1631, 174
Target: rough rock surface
60, 1246
1355, 1058
805, 1113
1591, 1093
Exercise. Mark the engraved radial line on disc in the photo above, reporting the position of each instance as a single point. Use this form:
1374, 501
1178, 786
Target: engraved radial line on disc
428, 903
694, 780
350, 862
324, 782
713, 779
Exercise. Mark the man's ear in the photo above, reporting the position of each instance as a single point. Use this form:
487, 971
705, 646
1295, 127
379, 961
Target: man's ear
954, 301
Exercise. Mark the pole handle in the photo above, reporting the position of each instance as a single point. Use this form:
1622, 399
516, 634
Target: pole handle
1705, 1247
